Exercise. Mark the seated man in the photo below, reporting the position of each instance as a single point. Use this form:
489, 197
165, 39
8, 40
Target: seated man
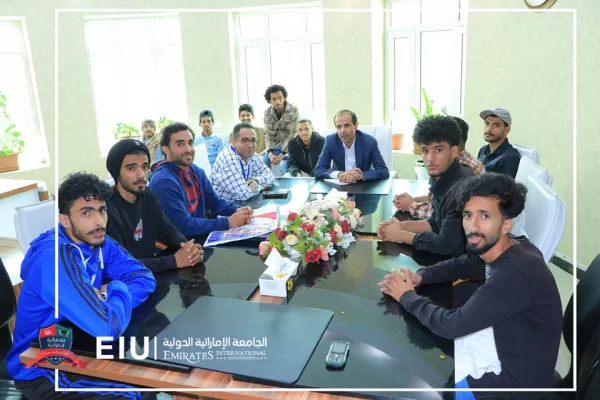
499, 155
185, 193
214, 144
246, 114
135, 218
420, 207
239, 174
304, 150
507, 335
85, 258
280, 126
352, 152
438, 137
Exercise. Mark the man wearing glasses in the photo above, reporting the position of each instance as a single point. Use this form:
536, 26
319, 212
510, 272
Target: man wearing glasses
238, 173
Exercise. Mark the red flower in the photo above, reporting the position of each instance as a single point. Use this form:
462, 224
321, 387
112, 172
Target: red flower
310, 228
292, 216
345, 225
312, 256
333, 235
281, 234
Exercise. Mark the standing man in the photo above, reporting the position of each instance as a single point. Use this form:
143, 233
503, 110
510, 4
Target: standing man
135, 218
151, 139
438, 137
185, 193
239, 174
507, 335
280, 126
214, 144
304, 150
246, 114
353, 153
86, 256
499, 155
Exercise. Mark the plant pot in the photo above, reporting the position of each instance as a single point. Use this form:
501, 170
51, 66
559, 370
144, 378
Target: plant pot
416, 149
9, 162
397, 141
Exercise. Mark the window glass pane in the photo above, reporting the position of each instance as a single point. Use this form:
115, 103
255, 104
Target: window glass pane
255, 81
286, 23
314, 22
439, 12
286, 68
165, 31
405, 13
438, 68
317, 58
132, 32
11, 36
404, 75
252, 26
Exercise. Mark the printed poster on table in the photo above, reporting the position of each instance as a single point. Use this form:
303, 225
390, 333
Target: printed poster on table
263, 222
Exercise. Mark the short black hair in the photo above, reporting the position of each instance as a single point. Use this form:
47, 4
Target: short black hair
207, 113
274, 89
352, 114
81, 184
305, 120
236, 129
436, 129
246, 107
464, 130
511, 194
169, 130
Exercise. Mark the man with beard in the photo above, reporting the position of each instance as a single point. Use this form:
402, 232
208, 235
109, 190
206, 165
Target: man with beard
439, 138
246, 114
135, 218
86, 257
499, 155
152, 140
507, 335
184, 191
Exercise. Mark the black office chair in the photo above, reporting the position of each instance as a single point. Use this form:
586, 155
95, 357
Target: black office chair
588, 315
8, 306
588, 382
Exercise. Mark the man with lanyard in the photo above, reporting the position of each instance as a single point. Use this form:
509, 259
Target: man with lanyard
238, 173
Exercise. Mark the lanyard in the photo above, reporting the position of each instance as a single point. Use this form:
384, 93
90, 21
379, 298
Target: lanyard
246, 177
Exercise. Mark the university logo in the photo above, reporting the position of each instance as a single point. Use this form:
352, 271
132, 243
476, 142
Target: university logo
55, 344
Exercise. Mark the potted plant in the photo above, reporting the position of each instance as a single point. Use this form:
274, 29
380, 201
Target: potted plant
397, 141
428, 113
11, 141
126, 131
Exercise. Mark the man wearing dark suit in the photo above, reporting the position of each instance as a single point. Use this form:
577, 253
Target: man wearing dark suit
352, 152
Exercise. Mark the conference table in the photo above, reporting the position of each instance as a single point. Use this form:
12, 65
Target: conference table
389, 349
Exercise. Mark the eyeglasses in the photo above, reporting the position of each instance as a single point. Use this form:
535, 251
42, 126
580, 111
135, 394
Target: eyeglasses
247, 141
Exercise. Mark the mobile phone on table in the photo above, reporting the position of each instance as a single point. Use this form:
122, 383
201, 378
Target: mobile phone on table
337, 355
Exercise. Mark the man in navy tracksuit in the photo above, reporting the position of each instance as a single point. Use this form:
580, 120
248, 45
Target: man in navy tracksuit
86, 256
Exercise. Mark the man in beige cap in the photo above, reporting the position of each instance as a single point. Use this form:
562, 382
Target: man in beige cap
499, 155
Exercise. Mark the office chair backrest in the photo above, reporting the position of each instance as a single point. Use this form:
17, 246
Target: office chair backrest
383, 135
532, 154
528, 168
201, 159
33, 220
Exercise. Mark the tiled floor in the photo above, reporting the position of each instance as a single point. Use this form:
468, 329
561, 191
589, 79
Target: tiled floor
12, 258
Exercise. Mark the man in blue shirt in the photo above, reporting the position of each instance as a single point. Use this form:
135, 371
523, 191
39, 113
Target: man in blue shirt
86, 258
214, 144
499, 155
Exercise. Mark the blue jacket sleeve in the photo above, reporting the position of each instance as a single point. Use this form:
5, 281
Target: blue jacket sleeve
380, 170
172, 201
323, 168
77, 298
121, 266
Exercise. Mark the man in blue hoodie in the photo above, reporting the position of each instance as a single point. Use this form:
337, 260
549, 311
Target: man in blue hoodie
86, 257
185, 193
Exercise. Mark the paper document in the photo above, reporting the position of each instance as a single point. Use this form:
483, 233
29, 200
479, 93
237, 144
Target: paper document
264, 221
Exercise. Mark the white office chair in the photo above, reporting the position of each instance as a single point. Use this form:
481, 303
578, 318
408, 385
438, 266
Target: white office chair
201, 159
421, 173
110, 181
528, 152
33, 220
383, 135
544, 216
528, 168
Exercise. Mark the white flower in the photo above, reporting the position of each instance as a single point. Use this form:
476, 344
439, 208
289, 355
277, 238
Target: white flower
353, 221
337, 228
347, 239
330, 249
312, 214
292, 240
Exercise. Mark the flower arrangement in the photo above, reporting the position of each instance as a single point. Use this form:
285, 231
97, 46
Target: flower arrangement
314, 233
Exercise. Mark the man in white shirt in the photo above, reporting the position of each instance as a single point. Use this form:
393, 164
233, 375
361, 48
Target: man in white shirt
238, 173
355, 155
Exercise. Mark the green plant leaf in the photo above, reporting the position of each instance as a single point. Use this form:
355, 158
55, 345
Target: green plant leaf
428, 103
416, 113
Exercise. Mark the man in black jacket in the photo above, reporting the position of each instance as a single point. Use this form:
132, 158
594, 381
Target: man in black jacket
135, 219
442, 233
304, 150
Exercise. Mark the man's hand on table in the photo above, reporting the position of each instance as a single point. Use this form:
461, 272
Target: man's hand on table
395, 284
403, 201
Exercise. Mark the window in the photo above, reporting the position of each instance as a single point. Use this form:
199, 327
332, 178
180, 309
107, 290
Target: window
425, 48
17, 82
286, 48
136, 68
